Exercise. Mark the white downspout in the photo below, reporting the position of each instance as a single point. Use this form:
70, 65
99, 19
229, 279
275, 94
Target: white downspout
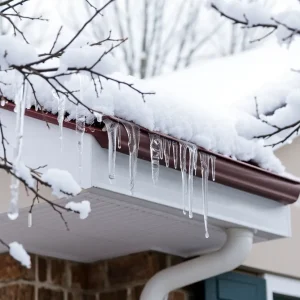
231, 255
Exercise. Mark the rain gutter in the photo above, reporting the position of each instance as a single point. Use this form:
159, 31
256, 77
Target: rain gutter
229, 172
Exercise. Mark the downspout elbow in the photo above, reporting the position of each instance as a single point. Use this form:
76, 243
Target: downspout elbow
235, 250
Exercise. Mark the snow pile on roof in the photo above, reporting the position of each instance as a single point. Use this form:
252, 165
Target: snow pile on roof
61, 182
229, 81
18, 252
255, 82
197, 114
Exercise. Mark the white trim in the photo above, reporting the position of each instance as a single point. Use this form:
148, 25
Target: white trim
235, 207
282, 285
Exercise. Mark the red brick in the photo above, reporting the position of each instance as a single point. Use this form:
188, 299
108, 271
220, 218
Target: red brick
17, 292
135, 267
48, 294
177, 295
136, 292
58, 272
42, 268
10, 269
79, 275
97, 276
80, 296
115, 295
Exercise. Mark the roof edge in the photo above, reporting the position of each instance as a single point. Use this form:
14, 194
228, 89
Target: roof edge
229, 172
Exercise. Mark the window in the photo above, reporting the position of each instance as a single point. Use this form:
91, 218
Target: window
282, 297
282, 288
235, 286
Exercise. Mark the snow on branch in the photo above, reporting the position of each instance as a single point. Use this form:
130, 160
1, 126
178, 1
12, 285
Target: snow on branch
279, 120
30, 78
55, 68
10, 11
83, 208
253, 14
61, 182
17, 251
284, 122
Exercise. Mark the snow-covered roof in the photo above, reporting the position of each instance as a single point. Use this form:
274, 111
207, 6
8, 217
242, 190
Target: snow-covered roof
229, 81
195, 105
234, 88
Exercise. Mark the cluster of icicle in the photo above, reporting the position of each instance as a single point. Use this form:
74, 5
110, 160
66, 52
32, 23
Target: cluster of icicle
114, 138
184, 155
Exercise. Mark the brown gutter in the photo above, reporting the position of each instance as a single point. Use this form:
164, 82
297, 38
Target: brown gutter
229, 172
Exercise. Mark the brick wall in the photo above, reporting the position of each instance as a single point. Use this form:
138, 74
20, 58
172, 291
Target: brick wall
120, 278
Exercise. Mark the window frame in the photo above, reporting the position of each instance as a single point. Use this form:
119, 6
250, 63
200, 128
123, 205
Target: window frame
282, 285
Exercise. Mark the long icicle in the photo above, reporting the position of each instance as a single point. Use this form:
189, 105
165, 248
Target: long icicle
112, 129
119, 136
80, 130
60, 119
162, 147
183, 148
175, 153
133, 132
204, 159
167, 151
195, 160
192, 150
61, 103
155, 150
20, 104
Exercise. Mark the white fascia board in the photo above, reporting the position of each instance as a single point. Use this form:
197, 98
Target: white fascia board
231, 206
227, 205
41, 146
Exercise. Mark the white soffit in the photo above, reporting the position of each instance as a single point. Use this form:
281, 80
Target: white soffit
118, 225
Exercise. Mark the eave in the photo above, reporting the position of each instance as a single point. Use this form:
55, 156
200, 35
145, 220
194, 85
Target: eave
229, 172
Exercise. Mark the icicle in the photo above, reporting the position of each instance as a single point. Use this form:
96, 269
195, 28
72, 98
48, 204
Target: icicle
213, 167
119, 136
204, 158
60, 116
60, 119
183, 148
99, 117
111, 128
167, 151
175, 153
80, 129
155, 150
20, 103
195, 160
29, 219
162, 146
133, 133
190, 183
